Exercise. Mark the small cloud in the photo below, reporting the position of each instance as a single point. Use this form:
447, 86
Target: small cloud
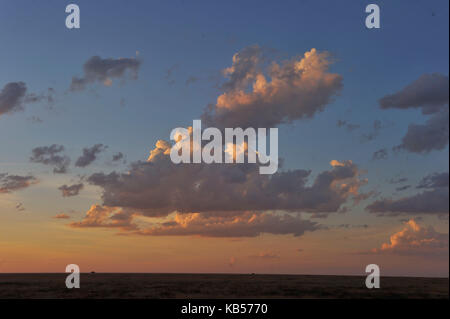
72, 190
105, 217
403, 188
90, 155
14, 97
429, 93
61, 216
336, 163
11, 183
436, 180
99, 70
117, 157
52, 156
430, 136
415, 240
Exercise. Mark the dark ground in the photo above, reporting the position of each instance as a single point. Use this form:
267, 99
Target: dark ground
217, 286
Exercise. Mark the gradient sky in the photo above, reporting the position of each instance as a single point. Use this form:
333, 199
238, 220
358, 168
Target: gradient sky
183, 48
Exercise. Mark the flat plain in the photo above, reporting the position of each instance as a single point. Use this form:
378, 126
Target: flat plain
217, 286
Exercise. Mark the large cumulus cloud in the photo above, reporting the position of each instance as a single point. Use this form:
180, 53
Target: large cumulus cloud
217, 200
158, 187
292, 90
235, 199
71, 190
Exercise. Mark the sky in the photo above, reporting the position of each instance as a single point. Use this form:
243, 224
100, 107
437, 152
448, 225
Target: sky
362, 114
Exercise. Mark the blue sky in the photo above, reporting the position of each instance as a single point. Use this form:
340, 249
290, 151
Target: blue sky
199, 40
183, 39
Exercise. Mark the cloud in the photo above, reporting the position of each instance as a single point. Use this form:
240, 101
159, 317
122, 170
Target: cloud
435, 180
117, 157
429, 92
247, 224
234, 200
90, 155
61, 216
50, 155
48, 97
217, 200
105, 217
158, 187
424, 138
415, 240
297, 89
434, 200
72, 190
429, 202
11, 183
380, 154
99, 70
11, 97
336, 163
35, 119
245, 68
